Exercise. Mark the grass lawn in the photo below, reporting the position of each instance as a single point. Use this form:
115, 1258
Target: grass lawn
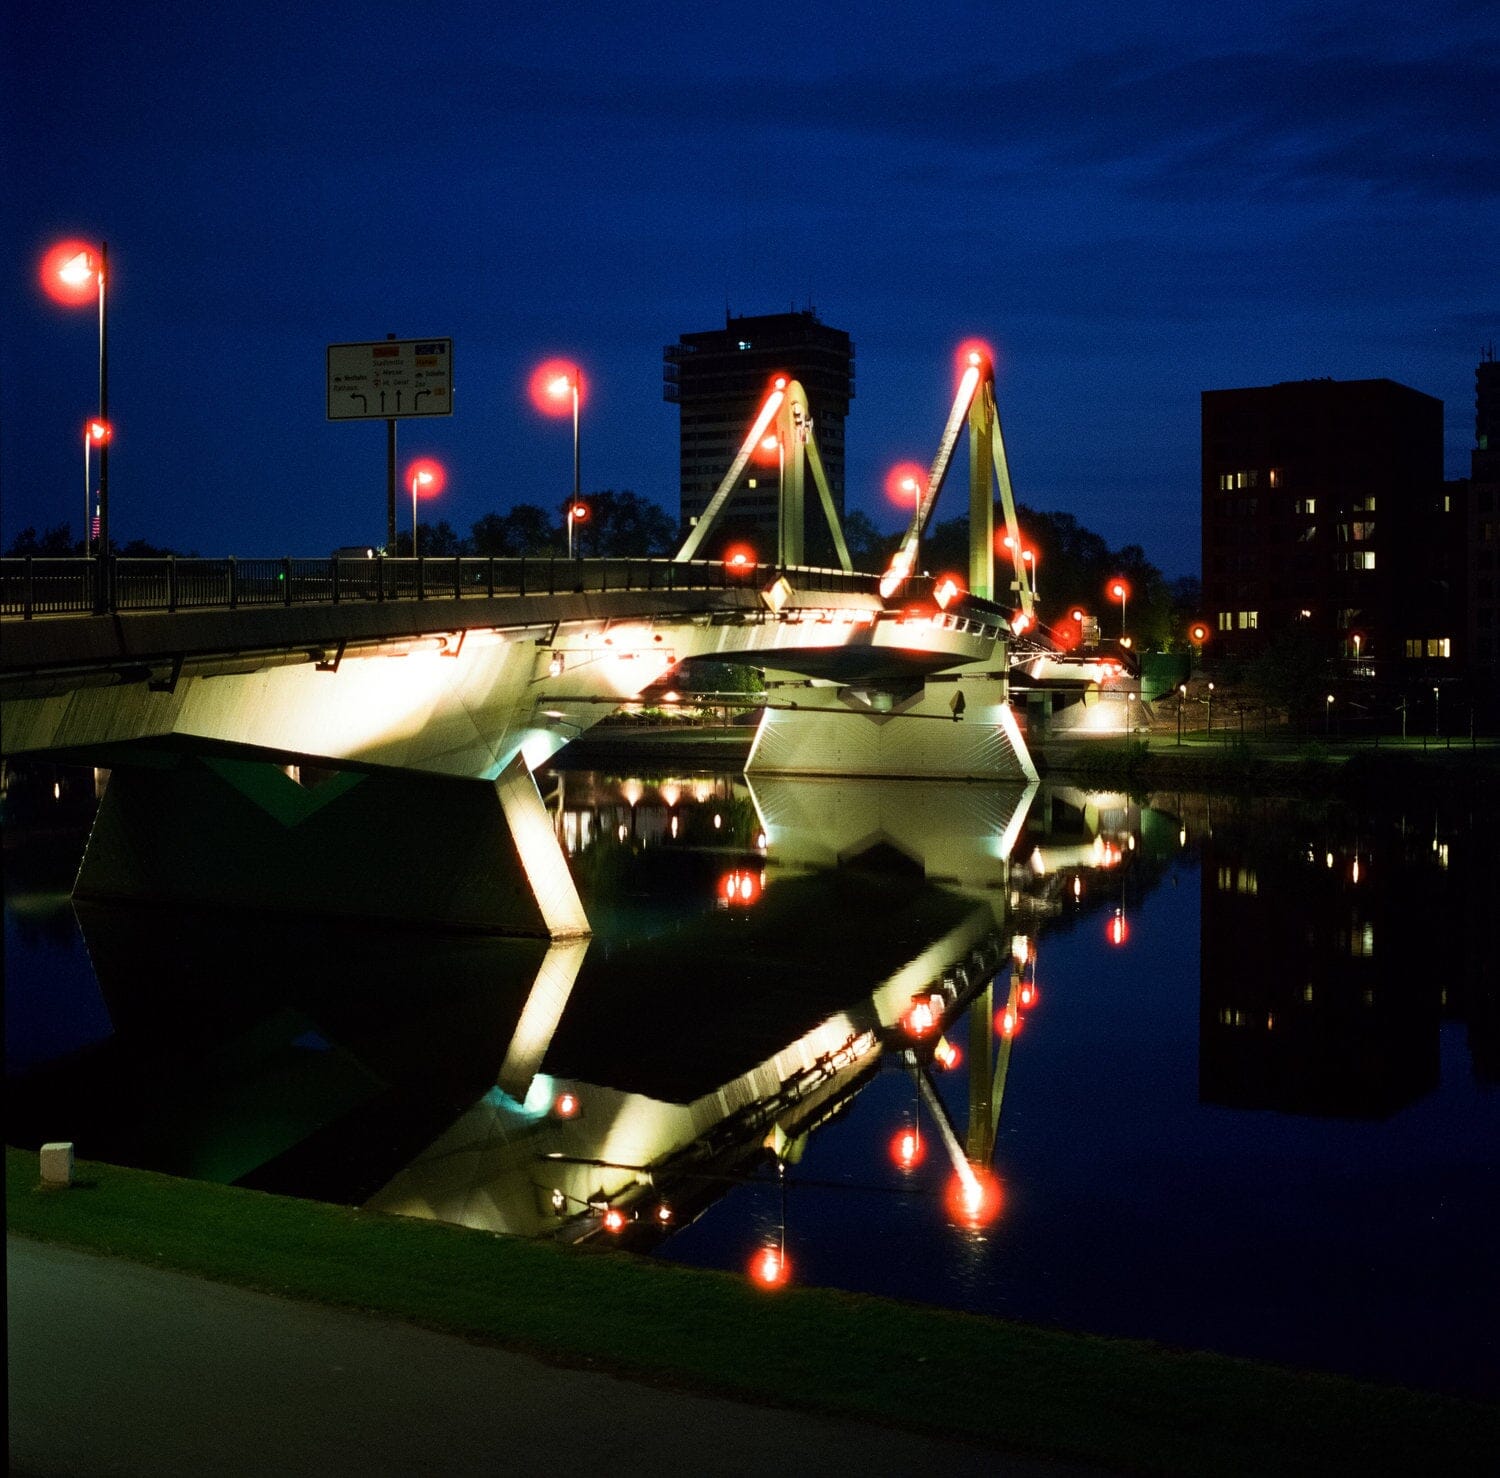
1118, 1403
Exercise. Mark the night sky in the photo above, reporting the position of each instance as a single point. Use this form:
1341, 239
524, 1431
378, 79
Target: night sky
1131, 206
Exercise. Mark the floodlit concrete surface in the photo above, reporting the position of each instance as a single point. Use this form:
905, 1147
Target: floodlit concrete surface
122, 1369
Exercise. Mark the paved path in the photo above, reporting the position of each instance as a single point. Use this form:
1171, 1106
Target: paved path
117, 1368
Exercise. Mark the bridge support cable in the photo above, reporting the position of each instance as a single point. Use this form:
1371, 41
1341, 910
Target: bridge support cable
974, 404
786, 408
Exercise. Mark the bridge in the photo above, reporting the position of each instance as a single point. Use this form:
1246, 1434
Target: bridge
364, 732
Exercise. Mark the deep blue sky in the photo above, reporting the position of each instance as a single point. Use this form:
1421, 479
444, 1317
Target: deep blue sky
1131, 205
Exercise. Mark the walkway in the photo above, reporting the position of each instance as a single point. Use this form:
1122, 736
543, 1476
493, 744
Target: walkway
117, 1368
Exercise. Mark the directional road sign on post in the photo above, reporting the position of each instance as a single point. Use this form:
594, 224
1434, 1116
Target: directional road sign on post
390, 379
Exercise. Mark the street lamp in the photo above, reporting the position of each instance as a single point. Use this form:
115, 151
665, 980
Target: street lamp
1437, 713
577, 513
1210, 701
1119, 590
423, 477
95, 433
1181, 695
1029, 557
1328, 713
420, 479
73, 272
562, 386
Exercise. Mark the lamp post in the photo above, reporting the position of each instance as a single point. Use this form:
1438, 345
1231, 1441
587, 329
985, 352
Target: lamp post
1181, 694
1028, 557
577, 513
1210, 702
95, 433
1328, 714
558, 387
1437, 712
421, 477
72, 273
1120, 590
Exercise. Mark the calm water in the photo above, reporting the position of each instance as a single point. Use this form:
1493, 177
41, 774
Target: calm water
1245, 1098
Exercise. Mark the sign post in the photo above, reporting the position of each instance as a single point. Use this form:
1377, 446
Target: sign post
389, 380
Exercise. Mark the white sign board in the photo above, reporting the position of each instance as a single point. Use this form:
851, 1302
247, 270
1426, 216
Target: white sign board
390, 378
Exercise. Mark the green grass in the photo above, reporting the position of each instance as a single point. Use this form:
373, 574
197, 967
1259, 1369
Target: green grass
1121, 1404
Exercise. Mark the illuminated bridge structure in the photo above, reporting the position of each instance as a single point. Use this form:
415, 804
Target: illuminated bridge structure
358, 737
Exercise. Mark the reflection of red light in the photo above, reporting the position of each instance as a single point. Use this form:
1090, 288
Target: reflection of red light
1007, 1022
973, 1200
543, 387
740, 888
904, 483
1117, 931
908, 1149
1028, 995
946, 1055
770, 1268
566, 1105
69, 274
614, 1220
739, 560
921, 1019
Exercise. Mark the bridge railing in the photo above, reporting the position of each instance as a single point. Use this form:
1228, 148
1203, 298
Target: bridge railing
39, 586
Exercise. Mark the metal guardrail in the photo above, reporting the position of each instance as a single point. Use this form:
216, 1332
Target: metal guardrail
38, 586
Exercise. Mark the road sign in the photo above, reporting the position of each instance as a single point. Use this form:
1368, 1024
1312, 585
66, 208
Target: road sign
390, 379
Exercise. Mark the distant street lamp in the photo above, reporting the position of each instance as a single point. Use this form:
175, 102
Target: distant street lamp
1437, 713
424, 477
1181, 696
565, 386
577, 513
1328, 714
95, 433
1119, 590
1210, 702
420, 479
73, 273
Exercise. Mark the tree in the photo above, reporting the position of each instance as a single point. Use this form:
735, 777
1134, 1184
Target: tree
432, 539
623, 525
55, 542
525, 531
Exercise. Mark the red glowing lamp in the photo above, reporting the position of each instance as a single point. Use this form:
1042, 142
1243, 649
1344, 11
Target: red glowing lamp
740, 560
71, 274
1198, 633
566, 1106
1117, 931
98, 431
973, 1199
1007, 1022
905, 483
769, 1268
973, 354
740, 888
552, 385
614, 1220
946, 1055
1028, 995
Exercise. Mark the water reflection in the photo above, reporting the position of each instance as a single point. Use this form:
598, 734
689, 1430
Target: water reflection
952, 1042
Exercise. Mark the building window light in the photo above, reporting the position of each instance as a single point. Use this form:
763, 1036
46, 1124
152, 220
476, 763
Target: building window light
1305, 505
1439, 646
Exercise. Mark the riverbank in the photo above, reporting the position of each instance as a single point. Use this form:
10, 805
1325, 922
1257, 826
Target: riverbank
1120, 1404
1291, 765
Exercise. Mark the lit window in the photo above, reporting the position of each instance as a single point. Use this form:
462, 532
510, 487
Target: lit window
1276, 477
1226, 620
1414, 646
1439, 646
1247, 620
1305, 505
1226, 481
1360, 532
